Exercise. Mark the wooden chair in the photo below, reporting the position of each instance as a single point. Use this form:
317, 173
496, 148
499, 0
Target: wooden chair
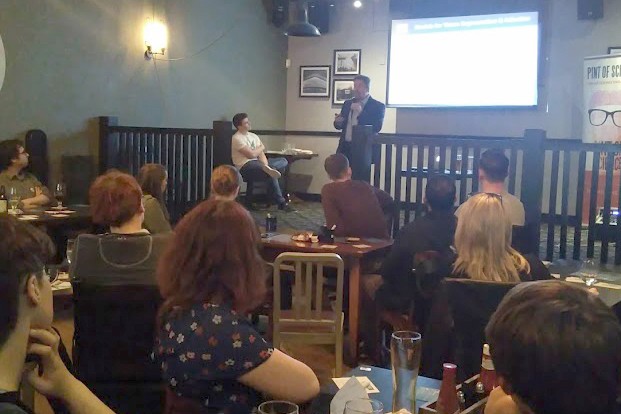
307, 321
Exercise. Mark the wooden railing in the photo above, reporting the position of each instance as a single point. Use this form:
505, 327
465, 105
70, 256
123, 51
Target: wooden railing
186, 153
552, 177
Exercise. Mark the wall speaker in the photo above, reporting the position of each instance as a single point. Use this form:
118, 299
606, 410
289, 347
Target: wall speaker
590, 9
319, 15
36, 146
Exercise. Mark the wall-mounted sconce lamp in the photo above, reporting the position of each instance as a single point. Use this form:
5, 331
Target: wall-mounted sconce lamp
156, 38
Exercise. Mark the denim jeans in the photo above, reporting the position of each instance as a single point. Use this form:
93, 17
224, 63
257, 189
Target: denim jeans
253, 171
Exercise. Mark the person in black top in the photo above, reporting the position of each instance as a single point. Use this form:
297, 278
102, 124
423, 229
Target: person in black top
432, 232
556, 348
25, 327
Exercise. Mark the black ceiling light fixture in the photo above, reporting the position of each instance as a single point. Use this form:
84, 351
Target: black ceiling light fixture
299, 25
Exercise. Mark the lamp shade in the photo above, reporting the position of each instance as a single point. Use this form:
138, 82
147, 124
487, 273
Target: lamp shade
299, 25
156, 37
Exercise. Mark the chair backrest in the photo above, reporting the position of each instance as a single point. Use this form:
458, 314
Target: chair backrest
472, 303
308, 290
522, 240
114, 332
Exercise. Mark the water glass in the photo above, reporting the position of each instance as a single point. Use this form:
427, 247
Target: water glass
589, 272
278, 407
405, 352
13, 200
364, 406
70, 246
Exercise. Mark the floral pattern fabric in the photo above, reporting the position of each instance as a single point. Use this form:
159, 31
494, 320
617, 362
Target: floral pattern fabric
202, 352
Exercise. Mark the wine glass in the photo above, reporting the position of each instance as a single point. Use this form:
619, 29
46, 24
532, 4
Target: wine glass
364, 406
59, 194
278, 407
13, 200
589, 272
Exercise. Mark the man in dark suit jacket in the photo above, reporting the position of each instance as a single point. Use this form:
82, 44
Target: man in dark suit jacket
362, 109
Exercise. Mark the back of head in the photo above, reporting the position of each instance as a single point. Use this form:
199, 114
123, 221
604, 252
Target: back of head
440, 192
483, 241
213, 255
225, 181
238, 118
24, 250
495, 165
558, 347
150, 178
336, 165
8, 152
115, 198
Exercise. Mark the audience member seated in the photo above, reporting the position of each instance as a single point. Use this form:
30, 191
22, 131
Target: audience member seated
355, 207
493, 170
248, 153
210, 355
225, 183
25, 328
153, 179
126, 255
13, 160
433, 232
556, 349
483, 244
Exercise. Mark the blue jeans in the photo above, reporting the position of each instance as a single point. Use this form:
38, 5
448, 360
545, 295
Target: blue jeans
253, 171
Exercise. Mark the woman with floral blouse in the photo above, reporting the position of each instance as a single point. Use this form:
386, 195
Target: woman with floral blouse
210, 355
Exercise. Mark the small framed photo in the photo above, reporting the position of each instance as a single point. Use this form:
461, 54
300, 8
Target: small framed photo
347, 62
614, 50
343, 90
315, 81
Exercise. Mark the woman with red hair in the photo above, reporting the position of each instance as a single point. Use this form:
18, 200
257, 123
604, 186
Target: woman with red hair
211, 357
128, 253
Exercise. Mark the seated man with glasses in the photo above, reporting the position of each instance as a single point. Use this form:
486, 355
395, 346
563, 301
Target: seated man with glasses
25, 327
493, 170
13, 161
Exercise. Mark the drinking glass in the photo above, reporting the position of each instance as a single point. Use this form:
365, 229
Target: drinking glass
13, 200
364, 406
405, 352
59, 194
70, 245
278, 407
589, 272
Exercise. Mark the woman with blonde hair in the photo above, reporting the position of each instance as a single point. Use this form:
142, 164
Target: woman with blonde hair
225, 183
483, 244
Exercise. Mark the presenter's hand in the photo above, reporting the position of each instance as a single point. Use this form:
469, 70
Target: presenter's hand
356, 107
338, 118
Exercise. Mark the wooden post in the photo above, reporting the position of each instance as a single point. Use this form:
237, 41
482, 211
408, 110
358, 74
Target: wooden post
104, 141
532, 184
362, 152
222, 136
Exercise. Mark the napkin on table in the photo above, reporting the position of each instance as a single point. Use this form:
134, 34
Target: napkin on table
352, 390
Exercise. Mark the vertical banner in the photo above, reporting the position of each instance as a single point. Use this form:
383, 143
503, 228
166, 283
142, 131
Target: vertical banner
601, 123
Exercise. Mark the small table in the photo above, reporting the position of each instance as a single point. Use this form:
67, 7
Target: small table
353, 256
382, 378
80, 215
291, 158
609, 278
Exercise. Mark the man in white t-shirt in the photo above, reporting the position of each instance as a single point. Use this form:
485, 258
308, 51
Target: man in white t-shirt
493, 170
248, 153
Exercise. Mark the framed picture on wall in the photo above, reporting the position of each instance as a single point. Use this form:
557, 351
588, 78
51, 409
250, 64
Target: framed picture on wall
343, 90
614, 50
315, 81
347, 62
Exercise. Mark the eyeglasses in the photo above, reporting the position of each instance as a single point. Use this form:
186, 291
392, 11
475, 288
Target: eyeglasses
494, 195
597, 117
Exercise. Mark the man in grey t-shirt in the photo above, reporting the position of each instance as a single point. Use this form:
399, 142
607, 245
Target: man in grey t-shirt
493, 170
